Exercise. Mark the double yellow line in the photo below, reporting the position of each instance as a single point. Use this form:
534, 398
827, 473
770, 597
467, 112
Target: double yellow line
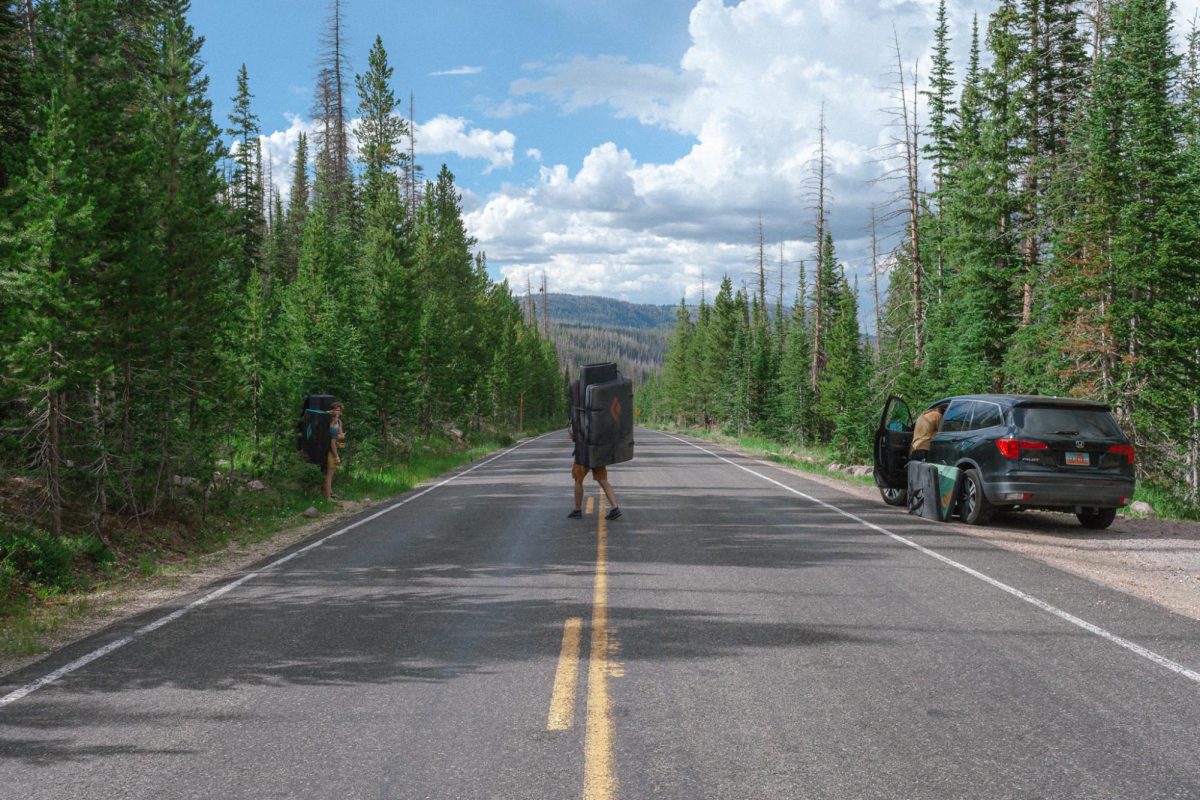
599, 763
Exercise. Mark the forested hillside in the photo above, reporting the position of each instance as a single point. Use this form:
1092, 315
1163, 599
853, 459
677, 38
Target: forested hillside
588, 329
163, 308
607, 312
638, 351
1054, 248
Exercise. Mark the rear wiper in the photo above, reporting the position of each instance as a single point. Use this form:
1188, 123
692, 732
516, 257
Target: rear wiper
1066, 433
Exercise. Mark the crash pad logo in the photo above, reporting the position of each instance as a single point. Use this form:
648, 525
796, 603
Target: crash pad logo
614, 409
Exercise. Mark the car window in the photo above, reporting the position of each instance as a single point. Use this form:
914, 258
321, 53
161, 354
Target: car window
1067, 421
986, 415
899, 417
958, 416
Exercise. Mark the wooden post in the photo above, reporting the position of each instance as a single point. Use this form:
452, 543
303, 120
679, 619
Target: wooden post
521, 414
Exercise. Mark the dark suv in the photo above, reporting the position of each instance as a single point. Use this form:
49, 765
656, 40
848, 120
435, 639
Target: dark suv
1016, 451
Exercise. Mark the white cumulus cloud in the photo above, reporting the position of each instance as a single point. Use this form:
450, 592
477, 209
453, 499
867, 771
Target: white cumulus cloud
444, 134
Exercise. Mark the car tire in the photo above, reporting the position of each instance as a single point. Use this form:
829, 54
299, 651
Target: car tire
894, 497
973, 505
1097, 520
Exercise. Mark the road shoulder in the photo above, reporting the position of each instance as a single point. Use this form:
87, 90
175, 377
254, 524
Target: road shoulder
1156, 560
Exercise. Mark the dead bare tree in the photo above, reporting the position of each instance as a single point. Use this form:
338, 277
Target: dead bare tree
761, 255
875, 279
901, 160
413, 174
330, 110
820, 167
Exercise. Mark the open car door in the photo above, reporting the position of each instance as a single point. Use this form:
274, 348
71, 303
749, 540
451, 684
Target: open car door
893, 438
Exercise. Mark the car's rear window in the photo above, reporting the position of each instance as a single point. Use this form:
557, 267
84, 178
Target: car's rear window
1067, 421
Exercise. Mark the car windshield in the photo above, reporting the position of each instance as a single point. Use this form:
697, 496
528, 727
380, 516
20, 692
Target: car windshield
1067, 421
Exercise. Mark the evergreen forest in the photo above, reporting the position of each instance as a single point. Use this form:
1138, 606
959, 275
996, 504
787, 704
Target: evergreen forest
163, 310
1047, 212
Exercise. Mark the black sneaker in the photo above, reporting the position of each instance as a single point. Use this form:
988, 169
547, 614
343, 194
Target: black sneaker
614, 514
576, 514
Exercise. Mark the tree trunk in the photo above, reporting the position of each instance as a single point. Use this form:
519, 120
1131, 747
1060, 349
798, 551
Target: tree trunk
914, 232
53, 458
818, 294
875, 283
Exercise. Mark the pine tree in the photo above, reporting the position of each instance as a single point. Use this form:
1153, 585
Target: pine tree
677, 375
380, 130
297, 210
247, 190
796, 397
47, 254
982, 312
390, 320
844, 404
15, 110
940, 149
702, 365
190, 222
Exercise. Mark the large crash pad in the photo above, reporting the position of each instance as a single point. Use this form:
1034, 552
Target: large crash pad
932, 490
608, 422
313, 439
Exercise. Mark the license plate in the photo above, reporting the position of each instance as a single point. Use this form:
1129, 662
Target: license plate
1077, 460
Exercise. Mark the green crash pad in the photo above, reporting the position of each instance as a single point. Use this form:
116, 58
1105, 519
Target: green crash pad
932, 489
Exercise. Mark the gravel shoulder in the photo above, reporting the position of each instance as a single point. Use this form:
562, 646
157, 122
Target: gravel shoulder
1154, 559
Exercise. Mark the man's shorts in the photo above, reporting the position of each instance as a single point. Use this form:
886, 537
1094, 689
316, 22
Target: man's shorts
579, 472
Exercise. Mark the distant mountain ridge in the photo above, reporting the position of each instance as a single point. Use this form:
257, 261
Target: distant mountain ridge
606, 312
588, 328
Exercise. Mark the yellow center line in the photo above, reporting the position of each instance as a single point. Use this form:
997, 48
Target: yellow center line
562, 699
587, 508
599, 764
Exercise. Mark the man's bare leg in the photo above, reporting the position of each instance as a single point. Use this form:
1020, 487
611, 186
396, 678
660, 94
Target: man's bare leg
609, 493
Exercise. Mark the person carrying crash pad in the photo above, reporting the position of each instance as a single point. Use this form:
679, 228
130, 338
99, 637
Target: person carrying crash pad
580, 469
927, 427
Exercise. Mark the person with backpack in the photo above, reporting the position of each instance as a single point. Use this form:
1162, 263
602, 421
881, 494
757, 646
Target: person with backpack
333, 459
580, 468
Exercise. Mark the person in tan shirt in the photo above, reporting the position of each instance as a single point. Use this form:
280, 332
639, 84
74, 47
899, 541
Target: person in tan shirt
928, 425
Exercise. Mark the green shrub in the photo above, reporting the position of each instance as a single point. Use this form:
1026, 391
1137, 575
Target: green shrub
1166, 501
36, 557
90, 547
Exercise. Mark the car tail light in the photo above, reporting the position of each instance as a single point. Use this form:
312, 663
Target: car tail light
1123, 450
1012, 448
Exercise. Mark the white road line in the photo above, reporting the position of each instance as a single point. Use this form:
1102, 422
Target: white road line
82, 661
1133, 647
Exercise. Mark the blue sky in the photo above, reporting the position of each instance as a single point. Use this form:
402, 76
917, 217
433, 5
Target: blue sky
498, 42
623, 148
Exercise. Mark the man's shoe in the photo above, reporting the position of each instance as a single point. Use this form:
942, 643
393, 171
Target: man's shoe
614, 514
576, 514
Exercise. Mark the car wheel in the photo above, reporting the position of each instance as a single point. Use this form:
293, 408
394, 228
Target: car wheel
1097, 520
973, 505
894, 497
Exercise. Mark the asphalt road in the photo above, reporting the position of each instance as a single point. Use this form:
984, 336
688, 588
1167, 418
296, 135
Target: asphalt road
739, 633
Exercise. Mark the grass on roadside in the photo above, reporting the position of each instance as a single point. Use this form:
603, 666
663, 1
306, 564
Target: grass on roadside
815, 460
32, 611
